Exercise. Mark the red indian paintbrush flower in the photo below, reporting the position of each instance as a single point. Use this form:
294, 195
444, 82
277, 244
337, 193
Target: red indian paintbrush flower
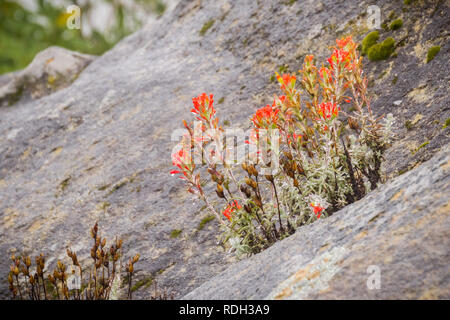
231, 208
328, 110
339, 56
203, 106
317, 209
183, 161
265, 117
287, 81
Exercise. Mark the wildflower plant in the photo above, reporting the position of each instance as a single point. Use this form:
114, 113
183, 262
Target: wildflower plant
306, 156
100, 281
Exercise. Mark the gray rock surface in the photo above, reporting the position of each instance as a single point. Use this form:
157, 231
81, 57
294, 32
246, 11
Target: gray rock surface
100, 148
403, 229
52, 69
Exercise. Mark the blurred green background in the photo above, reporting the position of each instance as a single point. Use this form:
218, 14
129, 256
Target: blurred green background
29, 26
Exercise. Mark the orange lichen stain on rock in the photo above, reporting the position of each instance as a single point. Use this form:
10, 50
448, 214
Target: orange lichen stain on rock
56, 151
313, 275
285, 293
35, 226
323, 291
446, 166
430, 294
397, 195
9, 218
26, 154
302, 273
361, 235
324, 247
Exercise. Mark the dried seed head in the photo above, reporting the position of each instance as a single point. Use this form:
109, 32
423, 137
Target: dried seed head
219, 191
353, 124
251, 183
257, 201
252, 170
246, 191
28, 261
136, 258
269, 177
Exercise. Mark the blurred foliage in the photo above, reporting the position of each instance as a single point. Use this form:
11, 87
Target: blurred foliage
23, 32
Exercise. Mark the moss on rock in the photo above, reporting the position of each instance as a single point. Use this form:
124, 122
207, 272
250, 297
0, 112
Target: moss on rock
382, 51
370, 40
432, 52
396, 24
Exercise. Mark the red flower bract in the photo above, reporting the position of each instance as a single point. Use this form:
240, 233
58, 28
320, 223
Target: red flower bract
265, 117
287, 81
317, 210
232, 207
328, 110
203, 106
183, 161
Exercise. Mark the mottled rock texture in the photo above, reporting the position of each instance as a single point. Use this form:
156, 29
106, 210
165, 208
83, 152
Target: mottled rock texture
100, 148
402, 228
52, 69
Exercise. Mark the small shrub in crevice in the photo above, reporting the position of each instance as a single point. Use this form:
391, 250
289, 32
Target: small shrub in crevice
99, 281
324, 157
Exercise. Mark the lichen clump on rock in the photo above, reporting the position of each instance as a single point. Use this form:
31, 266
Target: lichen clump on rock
382, 51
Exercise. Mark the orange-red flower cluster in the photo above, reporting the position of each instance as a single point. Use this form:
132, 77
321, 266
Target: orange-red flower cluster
230, 209
328, 110
203, 106
266, 117
287, 81
183, 161
317, 209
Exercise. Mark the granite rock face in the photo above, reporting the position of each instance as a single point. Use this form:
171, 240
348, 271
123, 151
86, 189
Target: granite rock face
52, 69
100, 148
400, 232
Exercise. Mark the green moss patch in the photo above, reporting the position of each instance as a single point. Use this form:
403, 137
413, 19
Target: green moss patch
382, 51
432, 52
396, 24
370, 40
175, 233
145, 283
204, 221
206, 27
